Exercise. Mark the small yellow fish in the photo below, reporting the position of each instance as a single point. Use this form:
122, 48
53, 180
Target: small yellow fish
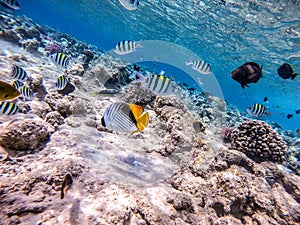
7, 91
66, 185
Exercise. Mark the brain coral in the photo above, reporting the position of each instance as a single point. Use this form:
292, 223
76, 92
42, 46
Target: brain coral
258, 141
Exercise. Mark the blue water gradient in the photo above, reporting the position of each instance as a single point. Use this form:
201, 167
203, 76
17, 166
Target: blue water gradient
226, 34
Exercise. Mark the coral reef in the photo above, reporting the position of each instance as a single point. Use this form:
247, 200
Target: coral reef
53, 48
258, 141
166, 174
28, 134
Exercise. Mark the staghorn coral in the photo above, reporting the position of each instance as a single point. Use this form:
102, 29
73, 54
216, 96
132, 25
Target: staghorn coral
258, 141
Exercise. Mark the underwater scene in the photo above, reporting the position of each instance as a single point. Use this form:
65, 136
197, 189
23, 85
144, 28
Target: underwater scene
145, 112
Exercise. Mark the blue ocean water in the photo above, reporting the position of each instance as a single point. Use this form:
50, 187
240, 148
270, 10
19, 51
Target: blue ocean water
224, 33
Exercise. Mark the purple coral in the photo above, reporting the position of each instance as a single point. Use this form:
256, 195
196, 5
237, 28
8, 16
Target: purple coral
226, 133
53, 48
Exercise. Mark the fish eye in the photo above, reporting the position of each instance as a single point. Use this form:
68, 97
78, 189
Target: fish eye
137, 3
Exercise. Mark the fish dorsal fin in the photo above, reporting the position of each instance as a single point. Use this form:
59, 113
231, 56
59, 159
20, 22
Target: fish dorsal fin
142, 121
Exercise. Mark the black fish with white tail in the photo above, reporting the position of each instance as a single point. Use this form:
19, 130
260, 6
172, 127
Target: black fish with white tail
286, 71
249, 72
8, 108
125, 117
12, 4
19, 73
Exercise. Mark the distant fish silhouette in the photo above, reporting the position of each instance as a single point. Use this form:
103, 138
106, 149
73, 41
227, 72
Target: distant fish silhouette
249, 72
289, 116
298, 111
66, 185
265, 99
286, 71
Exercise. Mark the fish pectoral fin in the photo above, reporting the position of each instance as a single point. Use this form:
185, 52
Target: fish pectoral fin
294, 75
143, 121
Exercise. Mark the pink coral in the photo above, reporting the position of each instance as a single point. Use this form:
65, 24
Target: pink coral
53, 48
226, 133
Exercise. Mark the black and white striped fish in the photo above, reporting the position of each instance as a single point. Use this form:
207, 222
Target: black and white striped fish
19, 73
126, 47
26, 91
257, 110
62, 82
125, 117
13, 4
61, 59
8, 108
158, 84
17, 84
200, 66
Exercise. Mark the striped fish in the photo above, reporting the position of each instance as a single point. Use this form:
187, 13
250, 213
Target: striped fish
62, 82
257, 110
125, 47
158, 84
200, 66
8, 108
26, 91
19, 73
17, 84
125, 117
61, 59
13, 4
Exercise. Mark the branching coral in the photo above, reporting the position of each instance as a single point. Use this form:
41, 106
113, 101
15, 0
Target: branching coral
258, 141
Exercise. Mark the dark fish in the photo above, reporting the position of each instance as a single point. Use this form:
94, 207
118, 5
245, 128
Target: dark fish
249, 72
257, 110
298, 111
66, 185
19, 73
289, 116
297, 131
125, 117
8, 108
8, 91
286, 71
198, 127
12, 4
265, 99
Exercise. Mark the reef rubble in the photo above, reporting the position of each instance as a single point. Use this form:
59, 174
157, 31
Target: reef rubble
166, 174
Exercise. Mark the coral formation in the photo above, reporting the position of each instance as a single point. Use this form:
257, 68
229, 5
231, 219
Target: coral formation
53, 48
28, 134
258, 141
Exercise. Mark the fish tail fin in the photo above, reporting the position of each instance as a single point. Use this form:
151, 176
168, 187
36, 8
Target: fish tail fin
139, 45
294, 75
188, 63
137, 77
143, 121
